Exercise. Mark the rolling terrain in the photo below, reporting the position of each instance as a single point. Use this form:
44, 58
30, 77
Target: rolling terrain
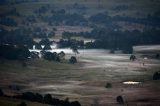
99, 76
85, 81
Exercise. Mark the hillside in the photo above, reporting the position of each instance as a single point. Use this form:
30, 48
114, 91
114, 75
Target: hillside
85, 81
28, 9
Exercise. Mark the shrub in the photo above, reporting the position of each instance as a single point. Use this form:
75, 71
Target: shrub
73, 60
1, 92
156, 76
108, 85
120, 99
28, 96
75, 103
47, 99
22, 104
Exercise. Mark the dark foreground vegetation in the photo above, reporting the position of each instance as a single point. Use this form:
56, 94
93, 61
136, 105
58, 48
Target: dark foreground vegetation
44, 99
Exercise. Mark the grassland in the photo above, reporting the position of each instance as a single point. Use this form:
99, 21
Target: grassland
86, 80
83, 82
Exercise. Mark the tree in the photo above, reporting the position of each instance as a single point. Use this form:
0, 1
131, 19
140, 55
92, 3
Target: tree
132, 57
24, 53
156, 76
75, 103
34, 55
108, 85
28, 96
47, 99
73, 60
48, 56
120, 99
45, 41
157, 56
39, 98
75, 49
61, 55
47, 47
51, 34
38, 46
1, 92
22, 104
14, 52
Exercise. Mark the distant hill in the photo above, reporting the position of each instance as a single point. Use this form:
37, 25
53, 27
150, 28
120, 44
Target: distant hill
88, 7
41, 12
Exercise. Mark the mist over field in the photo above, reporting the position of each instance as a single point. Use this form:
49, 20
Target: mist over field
79, 52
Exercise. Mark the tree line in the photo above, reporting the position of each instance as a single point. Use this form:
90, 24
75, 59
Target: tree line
108, 38
44, 99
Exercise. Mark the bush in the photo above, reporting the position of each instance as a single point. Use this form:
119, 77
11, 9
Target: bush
120, 99
28, 96
156, 76
73, 60
47, 99
108, 85
22, 104
38, 97
1, 92
75, 103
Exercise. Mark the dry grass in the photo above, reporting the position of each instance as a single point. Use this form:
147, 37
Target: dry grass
86, 85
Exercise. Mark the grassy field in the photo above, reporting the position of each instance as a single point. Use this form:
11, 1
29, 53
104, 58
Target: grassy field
83, 82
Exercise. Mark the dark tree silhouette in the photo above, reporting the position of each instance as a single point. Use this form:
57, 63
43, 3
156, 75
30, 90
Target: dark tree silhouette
75, 49
156, 76
120, 99
38, 46
73, 60
39, 98
132, 57
1, 92
61, 55
47, 47
22, 104
108, 85
47, 99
